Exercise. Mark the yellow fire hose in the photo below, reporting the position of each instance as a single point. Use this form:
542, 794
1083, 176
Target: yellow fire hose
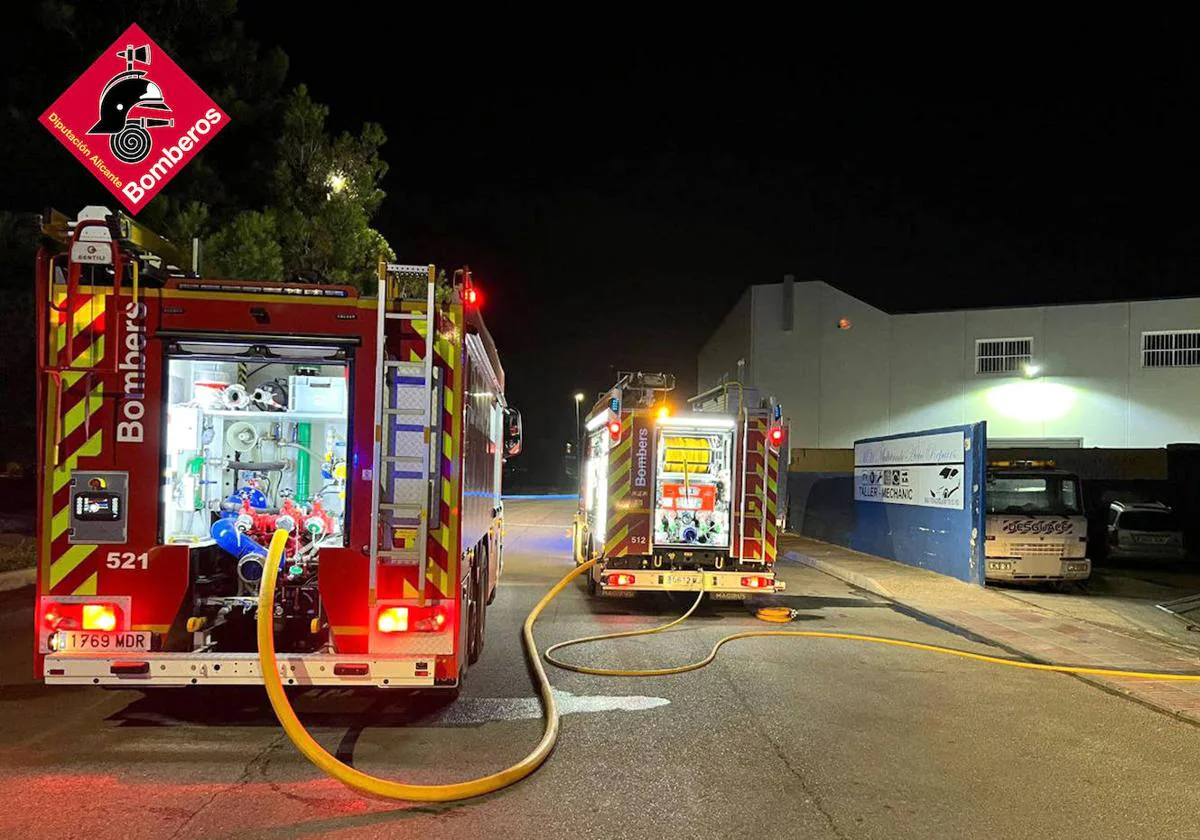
389, 789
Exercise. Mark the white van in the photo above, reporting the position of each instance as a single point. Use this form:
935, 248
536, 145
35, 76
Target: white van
1035, 528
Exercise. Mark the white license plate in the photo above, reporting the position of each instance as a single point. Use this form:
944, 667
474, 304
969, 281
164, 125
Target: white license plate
1151, 540
117, 642
683, 580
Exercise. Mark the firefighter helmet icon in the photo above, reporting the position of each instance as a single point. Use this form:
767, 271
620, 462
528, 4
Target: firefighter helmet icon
126, 92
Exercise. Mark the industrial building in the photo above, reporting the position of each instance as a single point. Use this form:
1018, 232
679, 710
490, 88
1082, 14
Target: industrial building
1122, 375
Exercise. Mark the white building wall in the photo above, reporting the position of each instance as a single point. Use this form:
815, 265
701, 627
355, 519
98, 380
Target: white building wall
789, 363
927, 371
1164, 404
894, 373
730, 343
855, 364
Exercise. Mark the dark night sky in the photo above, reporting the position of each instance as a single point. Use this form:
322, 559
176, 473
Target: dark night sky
614, 202
614, 198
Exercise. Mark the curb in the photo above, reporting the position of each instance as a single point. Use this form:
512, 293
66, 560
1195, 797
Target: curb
874, 587
17, 579
833, 570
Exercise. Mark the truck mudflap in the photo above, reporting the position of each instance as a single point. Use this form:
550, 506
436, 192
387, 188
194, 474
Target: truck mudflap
723, 584
136, 670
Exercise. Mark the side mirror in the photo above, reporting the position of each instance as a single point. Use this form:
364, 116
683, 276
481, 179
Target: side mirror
512, 432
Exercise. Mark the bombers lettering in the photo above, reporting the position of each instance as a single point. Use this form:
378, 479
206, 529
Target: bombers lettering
133, 407
641, 458
135, 191
1036, 526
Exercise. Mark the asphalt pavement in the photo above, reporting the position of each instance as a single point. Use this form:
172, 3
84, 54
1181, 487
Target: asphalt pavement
778, 738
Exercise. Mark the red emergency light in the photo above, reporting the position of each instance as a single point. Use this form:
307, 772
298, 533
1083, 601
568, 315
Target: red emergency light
411, 619
102, 617
471, 296
776, 435
619, 580
614, 429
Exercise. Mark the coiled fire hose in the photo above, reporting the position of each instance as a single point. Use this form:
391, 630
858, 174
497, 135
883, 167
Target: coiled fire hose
388, 789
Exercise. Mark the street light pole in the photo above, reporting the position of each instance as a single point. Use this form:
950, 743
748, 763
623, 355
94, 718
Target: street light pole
578, 433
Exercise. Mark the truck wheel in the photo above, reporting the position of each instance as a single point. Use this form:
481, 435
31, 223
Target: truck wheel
592, 588
487, 575
474, 619
483, 600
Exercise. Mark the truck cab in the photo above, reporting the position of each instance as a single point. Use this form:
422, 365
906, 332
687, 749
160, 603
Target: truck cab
1035, 528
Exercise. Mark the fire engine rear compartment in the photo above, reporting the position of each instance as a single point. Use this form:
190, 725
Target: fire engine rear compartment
255, 439
188, 420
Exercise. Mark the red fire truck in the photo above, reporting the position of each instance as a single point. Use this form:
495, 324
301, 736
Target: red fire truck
185, 419
680, 502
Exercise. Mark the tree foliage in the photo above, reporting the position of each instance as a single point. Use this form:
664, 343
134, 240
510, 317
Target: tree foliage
324, 190
261, 198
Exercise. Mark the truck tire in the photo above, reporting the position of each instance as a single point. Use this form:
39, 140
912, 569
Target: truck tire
487, 575
483, 598
592, 589
474, 614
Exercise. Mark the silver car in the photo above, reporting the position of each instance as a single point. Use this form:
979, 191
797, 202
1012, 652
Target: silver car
1148, 530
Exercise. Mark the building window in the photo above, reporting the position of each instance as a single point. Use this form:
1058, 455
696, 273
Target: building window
1172, 348
1003, 355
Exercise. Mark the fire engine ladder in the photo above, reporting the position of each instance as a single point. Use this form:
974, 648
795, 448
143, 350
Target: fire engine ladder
407, 428
101, 238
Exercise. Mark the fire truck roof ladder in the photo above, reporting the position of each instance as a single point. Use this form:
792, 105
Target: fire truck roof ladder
404, 492
96, 240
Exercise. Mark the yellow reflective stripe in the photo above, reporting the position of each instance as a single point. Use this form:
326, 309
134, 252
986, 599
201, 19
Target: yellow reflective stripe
616, 539
85, 316
85, 407
621, 472
349, 630
623, 447
88, 587
66, 564
88, 358
62, 473
440, 579
59, 523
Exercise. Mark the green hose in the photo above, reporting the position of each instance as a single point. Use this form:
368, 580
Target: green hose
303, 438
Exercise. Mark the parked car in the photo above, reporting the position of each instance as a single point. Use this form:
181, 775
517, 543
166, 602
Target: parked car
1144, 530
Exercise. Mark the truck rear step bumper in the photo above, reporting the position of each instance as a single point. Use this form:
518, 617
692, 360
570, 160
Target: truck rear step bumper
717, 584
132, 670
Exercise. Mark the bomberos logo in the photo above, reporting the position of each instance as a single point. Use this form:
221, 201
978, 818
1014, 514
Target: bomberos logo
134, 119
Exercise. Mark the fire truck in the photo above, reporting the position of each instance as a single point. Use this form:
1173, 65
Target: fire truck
680, 502
185, 419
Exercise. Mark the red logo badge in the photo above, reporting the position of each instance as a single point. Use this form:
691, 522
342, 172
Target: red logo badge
134, 119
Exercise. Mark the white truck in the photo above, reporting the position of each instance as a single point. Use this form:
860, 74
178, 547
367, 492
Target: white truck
1035, 529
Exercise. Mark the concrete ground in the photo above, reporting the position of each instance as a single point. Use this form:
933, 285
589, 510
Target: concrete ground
1124, 595
778, 738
